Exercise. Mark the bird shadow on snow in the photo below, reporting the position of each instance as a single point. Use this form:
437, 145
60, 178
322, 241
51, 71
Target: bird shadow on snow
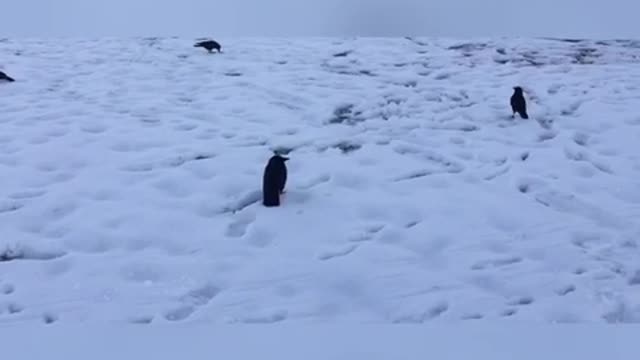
293, 196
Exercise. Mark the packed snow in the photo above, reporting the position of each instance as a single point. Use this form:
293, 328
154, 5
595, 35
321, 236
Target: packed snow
131, 173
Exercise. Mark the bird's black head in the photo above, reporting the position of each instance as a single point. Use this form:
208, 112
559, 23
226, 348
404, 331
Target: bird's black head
517, 89
278, 157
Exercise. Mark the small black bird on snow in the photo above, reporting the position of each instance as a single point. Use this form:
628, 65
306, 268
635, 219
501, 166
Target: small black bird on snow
5, 77
209, 45
518, 103
274, 180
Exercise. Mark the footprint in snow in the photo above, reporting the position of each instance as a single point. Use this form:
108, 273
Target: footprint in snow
141, 320
581, 139
94, 128
186, 127
7, 289
359, 237
635, 279
472, 317
433, 312
526, 300
239, 226
495, 263
49, 318
14, 308
179, 313
411, 224
27, 194
579, 271
565, 290
260, 237
10, 206
328, 255
546, 136
275, 317
191, 301
61, 210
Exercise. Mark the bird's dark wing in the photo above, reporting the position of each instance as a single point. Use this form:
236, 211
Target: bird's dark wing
522, 105
282, 177
514, 103
518, 103
4, 76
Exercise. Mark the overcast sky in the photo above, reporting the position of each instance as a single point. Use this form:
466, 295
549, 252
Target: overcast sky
220, 18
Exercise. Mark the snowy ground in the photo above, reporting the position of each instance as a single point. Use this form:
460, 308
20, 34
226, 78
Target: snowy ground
130, 171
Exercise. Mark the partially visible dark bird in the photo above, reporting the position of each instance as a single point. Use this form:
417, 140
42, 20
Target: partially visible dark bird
274, 180
209, 45
5, 77
518, 103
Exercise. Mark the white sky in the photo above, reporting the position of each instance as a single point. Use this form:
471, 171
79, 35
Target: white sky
219, 18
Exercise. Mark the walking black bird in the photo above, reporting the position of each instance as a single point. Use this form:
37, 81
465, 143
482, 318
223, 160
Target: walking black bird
518, 103
209, 45
5, 77
274, 180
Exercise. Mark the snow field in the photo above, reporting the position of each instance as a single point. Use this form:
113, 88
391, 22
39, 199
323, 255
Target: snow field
131, 173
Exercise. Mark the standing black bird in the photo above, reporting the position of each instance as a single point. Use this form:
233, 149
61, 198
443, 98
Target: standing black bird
518, 103
274, 180
209, 45
5, 77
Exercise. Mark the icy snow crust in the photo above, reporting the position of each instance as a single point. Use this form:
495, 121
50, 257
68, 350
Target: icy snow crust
130, 174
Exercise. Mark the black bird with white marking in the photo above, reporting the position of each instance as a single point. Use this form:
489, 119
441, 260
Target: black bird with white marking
210, 45
274, 180
518, 103
5, 78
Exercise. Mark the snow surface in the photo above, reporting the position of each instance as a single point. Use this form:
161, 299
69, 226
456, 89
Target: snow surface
130, 174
